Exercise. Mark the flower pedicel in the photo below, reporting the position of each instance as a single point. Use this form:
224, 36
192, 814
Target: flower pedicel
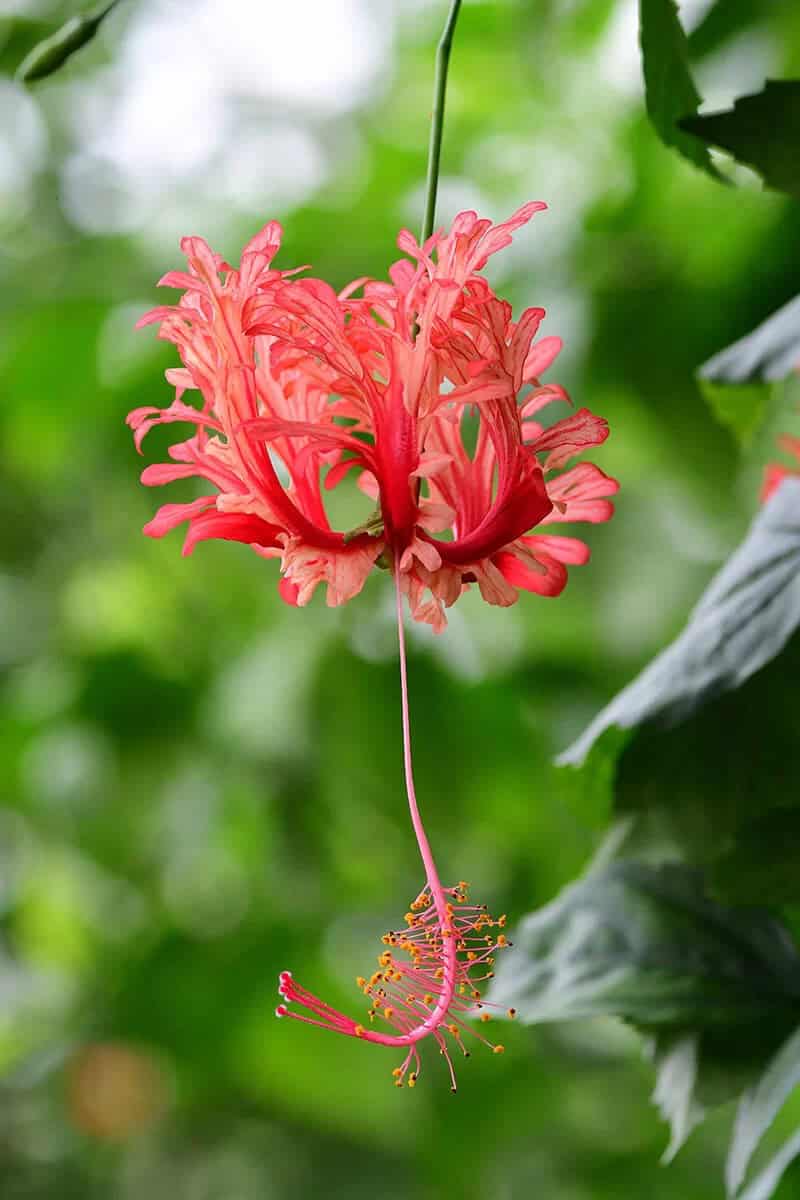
299, 386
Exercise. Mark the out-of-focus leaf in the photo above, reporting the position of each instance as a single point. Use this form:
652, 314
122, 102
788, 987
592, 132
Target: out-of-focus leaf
676, 1062
723, 20
764, 1185
739, 408
770, 352
669, 90
646, 943
761, 130
761, 865
757, 1109
46, 57
744, 618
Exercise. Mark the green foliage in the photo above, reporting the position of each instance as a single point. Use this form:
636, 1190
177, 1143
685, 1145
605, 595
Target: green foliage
744, 618
647, 944
49, 56
761, 130
741, 408
670, 92
757, 1110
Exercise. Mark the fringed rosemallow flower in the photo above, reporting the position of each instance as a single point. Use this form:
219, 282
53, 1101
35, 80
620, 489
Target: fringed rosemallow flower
775, 473
424, 386
428, 389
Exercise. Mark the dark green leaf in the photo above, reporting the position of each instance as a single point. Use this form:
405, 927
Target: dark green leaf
669, 90
757, 1110
704, 786
761, 865
676, 1061
743, 620
761, 130
764, 1185
770, 352
645, 943
46, 57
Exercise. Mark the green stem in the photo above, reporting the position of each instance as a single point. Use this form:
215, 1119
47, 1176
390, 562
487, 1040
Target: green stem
437, 121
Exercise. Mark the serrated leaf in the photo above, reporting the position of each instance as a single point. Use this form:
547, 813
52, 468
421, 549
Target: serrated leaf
771, 352
676, 1063
764, 1185
669, 89
49, 55
761, 864
744, 618
759, 1107
645, 943
700, 787
739, 407
761, 130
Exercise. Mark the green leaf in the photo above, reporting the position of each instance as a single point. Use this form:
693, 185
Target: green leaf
760, 867
669, 89
702, 787
764, 1185
761, 130
646, 943
49, 55
757, 1110
771, 352
740, 408
744, 618
676, 1063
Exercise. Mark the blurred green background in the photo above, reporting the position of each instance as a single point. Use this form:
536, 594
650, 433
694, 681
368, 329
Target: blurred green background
200, 786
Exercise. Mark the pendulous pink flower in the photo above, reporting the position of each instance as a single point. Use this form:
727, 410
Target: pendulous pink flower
428, 389
301, 385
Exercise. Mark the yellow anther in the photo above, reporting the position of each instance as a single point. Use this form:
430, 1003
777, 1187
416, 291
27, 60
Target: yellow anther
502, 920
388, 1013
359, 1031
427, 998
485, 1017
397, 976
471, 956
397, 1072
439, 973
454, 1030
386, 939
502, 940
361, 981
462, 885
512, 1012
398, 1083
412, 1080
498, 1049
476, 994
411, 998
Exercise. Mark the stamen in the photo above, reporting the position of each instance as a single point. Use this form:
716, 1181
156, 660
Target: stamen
429, 972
